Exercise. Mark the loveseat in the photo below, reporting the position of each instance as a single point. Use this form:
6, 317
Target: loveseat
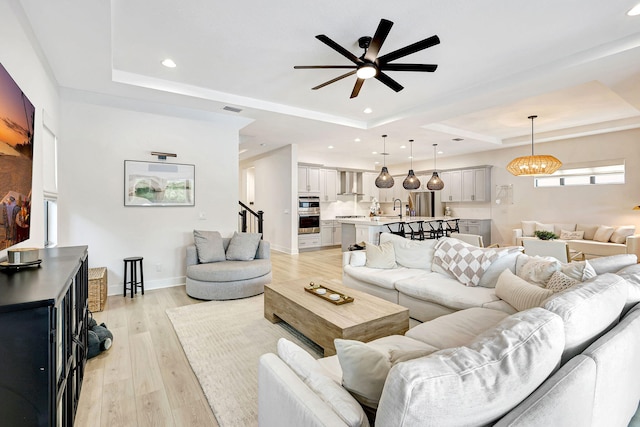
572, 361
592, 240
222, 268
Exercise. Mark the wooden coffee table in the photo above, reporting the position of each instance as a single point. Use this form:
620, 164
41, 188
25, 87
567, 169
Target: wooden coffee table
365, 319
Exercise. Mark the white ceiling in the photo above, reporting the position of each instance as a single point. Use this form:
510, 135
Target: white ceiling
574, 63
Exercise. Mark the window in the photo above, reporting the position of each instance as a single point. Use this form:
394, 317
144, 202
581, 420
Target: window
593, 173
50, 222
50, 181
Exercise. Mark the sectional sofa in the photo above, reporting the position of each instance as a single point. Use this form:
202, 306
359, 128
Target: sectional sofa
592, 240
574, 360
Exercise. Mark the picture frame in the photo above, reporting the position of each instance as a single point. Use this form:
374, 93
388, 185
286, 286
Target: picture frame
158, 184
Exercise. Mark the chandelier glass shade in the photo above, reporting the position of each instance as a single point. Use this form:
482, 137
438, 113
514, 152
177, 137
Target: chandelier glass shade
533, 165
384, 180
435, 183
411, 182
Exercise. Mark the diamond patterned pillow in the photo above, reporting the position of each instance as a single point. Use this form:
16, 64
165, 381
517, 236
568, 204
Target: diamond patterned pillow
466, 262
560, 281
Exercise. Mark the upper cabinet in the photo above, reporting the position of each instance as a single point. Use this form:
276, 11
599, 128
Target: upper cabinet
328, 185
369, 187
467, 185
308, 179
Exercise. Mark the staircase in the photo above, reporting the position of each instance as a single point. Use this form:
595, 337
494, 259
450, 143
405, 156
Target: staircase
250, 221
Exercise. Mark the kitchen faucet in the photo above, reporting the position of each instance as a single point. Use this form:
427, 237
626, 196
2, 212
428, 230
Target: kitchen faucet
399, 207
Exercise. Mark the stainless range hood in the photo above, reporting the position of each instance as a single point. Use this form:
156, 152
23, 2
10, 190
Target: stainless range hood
350, 183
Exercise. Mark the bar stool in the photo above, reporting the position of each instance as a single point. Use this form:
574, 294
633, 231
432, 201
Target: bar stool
417, 231
436, 231
399, 231
451, 226
132, 264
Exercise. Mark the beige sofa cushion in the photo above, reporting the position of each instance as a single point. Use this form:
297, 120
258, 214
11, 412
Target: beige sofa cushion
478, 383
411, 253
544, 227
571, 235
528, 228
603, 233
557, 228
589, 230
382, 256
620, 234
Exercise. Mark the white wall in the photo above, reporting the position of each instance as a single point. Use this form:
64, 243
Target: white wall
95, 141
594, 204
276, 179
23, 63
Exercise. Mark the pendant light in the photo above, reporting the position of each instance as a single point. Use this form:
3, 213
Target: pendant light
534, 165
411, 182
384, 180
435, 183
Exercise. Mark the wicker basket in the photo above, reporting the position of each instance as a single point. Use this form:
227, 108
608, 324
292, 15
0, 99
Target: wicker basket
97, 288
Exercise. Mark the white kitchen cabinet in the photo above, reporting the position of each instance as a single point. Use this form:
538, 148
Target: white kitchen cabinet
328, 185
330, 232
399, 191
308, 179
452, 191
475, 187
306, 241
369, 187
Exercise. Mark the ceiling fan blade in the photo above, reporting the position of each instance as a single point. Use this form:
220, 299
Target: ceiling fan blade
335, 46
382, 77
350, 73
378, 39
311, 67
356, 88
408, 50
409, 67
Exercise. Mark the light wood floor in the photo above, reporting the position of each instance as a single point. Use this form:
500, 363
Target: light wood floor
145, 378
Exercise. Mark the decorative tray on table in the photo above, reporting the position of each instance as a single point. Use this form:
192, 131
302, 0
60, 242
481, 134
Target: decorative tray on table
327, 294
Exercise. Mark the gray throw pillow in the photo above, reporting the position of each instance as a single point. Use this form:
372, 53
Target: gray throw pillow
209, 246
243, 246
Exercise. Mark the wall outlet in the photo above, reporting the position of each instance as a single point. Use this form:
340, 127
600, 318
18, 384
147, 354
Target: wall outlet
202, 215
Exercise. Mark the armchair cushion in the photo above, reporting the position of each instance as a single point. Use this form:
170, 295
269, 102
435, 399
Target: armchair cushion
209, 246
243, 246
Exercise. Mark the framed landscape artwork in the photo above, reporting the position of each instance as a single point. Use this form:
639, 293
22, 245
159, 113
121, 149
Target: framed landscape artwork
16, 161
158, 184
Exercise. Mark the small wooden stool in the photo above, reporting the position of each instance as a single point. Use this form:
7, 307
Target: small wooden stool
132, 263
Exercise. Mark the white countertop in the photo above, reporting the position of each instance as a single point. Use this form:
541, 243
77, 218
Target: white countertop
377, 221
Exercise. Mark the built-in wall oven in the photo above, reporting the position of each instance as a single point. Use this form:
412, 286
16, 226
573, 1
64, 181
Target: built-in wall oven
308, 214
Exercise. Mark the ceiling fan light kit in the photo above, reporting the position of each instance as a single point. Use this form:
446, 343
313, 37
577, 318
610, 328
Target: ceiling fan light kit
534, 165
435, 183
384, 180
411, 182
369, 64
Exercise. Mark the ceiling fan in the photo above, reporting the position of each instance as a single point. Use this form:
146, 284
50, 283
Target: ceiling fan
370, 64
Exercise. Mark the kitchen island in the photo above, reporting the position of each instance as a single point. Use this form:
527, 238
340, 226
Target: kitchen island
356, 230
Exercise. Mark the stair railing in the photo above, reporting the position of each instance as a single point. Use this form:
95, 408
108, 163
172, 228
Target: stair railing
250, 221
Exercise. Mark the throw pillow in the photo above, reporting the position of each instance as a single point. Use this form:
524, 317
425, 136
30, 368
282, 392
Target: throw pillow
621, 233
397, 356
544, 227
589, 230
520, 294
411, 253
528, 228
382, 256
364, 370
579, 270
603, 233
466, 262
571, 235
243, 246
538, 270
557, 228
560, 281
209, 246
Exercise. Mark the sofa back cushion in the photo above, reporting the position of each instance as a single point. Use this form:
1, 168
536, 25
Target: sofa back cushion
505, 262
612, 264
411, 253
478, 383
557, 228
589, 230
620, 234
588, 309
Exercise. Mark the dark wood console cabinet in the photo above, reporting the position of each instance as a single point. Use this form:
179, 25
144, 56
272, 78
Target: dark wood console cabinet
43, 339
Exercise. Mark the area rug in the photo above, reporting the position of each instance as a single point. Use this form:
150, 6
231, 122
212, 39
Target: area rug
223, 341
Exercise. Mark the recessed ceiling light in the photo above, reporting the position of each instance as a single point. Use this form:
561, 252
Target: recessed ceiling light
440, 152
409, 157
377, 163
357, 140
403, 146
169, 63
367, 110
374, 152
635, 10
330, 147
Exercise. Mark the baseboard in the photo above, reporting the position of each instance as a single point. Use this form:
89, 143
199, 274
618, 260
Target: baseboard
150, 285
